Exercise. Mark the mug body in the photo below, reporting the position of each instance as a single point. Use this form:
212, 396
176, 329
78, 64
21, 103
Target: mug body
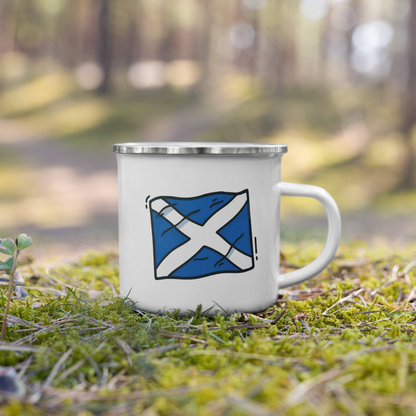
199, 229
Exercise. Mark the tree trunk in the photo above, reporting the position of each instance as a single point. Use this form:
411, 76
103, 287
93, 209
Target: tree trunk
167, 49
204, 52
288, 53
253, 63
409, 105
104, 45
351, 74
203, 47
134, 40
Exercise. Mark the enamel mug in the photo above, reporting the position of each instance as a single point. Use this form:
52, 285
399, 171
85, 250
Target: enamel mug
199, 224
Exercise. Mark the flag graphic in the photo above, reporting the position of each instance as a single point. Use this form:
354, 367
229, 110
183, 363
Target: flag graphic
201, 236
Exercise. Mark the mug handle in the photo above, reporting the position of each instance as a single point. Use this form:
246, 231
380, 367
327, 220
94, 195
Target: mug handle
332, 240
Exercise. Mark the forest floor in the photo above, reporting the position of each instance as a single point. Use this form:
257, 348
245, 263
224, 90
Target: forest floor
341, 344
58, 178
67, 199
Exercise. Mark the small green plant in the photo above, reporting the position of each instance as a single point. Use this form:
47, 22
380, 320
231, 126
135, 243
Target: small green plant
13, 249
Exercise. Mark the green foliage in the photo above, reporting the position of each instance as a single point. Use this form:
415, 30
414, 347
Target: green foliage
7, 246
24, 241
7, 265
342, 344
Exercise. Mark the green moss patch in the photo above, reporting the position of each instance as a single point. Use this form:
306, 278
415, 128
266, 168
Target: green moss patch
343, 343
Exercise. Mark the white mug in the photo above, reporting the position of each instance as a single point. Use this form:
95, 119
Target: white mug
199, 224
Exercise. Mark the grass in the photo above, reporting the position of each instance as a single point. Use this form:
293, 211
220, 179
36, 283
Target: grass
341, 344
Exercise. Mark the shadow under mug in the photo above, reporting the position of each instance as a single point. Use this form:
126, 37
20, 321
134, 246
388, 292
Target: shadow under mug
199, 224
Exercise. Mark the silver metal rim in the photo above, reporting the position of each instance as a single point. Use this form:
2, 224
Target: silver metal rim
199, 148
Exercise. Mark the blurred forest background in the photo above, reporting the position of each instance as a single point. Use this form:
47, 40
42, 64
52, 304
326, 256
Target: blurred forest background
333, 79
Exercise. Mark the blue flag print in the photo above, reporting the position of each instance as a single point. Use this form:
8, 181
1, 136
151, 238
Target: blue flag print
201, 236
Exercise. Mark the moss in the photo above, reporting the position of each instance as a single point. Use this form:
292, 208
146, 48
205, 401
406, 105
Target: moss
360, 352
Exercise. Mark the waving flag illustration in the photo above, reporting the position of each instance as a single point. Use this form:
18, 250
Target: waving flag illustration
201, 236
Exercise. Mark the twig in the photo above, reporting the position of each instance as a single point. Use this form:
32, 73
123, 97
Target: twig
280, 316
248, 326
20, 348
379, 337
29, 265
19, 321
93, 364
411, 294
70, 370
104, 378
299, 393
245, 355
161, 350
25, 366
343, 300
170, 334
126, 348
393, 341
249, 407
391, 280
41, 331
409, 267
82, 397
40, 289
347, 401
56, 368
366, 312
352, 355
114, 328
307, 327
113, 289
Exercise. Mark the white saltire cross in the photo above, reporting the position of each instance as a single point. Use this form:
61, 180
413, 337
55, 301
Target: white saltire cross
201, 235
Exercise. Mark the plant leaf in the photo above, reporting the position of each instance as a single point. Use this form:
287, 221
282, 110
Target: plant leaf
3, 266
7, 246
6, 266
3, 249
9, 263
24, 241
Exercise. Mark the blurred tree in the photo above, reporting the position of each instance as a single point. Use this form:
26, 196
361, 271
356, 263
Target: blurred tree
8, 17
167, 47
134, 34
272, 26
355, 5
104, 44
203, 52
287, 64
254, 49
408, 180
